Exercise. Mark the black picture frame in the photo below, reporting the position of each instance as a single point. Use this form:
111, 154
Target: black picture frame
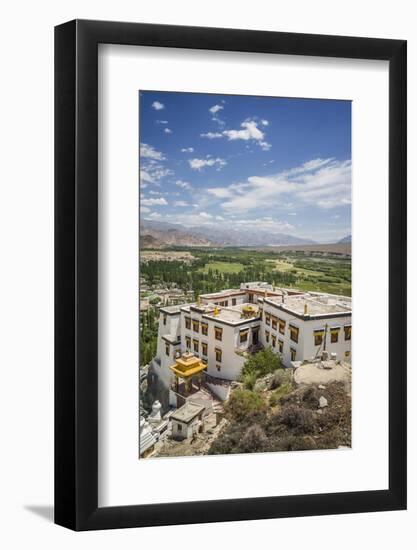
76, 272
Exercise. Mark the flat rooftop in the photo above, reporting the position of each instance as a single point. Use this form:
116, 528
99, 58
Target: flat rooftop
187, 412
245, 288
170, 309
223, 293
308, 305
230, 314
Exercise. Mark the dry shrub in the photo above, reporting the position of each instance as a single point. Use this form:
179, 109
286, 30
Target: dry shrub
297, 419
254, 440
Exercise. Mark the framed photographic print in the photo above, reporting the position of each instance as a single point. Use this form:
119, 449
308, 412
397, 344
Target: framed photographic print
230, 275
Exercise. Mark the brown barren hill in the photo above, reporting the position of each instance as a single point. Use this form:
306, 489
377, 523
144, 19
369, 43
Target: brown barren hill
334, 248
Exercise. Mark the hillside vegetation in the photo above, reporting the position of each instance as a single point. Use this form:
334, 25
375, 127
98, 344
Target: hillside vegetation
268, 413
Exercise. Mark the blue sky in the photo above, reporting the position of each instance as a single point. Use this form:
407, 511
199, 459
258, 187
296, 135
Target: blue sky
280, 164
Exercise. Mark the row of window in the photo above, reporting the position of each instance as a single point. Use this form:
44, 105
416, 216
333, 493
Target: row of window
273, 339
218, 331
225, 303
204, 348
276, 322
218, 351
334, 335
318, 335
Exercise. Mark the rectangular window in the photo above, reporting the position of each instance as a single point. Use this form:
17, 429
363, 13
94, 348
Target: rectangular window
165, 318
218, 333
281, 323
243, 335
195, 346
196, 326
204, 348
293, 354
268, 318
274, 340
204, 329
294, 333
233, 301
274, 322
348, 332
188, 322
334, 335
267, 336
318, 337
187, 342
166, 348
280, 346
218, 355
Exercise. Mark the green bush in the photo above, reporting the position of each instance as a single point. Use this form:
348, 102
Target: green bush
243, 403
249, 380
262, 363
275, 398
280, 377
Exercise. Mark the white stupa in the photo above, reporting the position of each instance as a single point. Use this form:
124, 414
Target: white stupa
155, 416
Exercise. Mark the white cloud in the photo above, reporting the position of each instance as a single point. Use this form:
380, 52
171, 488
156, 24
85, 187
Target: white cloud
265, 122
167, 131
266, 222
154, 173
145, 177
250, 131
199, 164
183, 184
211, 135
144, 209
147, 151
154, 202
205, 215
155, 215
215, 109
215, 118
158, 106
181, 203
187, 150
220, 192
324, 183
265, 146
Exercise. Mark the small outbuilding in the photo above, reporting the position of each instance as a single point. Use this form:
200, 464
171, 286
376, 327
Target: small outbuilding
187, 420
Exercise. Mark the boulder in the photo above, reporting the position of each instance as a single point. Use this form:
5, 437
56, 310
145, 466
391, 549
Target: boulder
322, 402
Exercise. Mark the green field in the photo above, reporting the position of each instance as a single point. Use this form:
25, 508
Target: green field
222, 267
214, 269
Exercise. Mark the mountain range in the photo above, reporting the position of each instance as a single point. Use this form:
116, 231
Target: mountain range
157, 234
346, 240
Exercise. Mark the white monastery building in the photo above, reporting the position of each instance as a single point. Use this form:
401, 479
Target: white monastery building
207, 343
